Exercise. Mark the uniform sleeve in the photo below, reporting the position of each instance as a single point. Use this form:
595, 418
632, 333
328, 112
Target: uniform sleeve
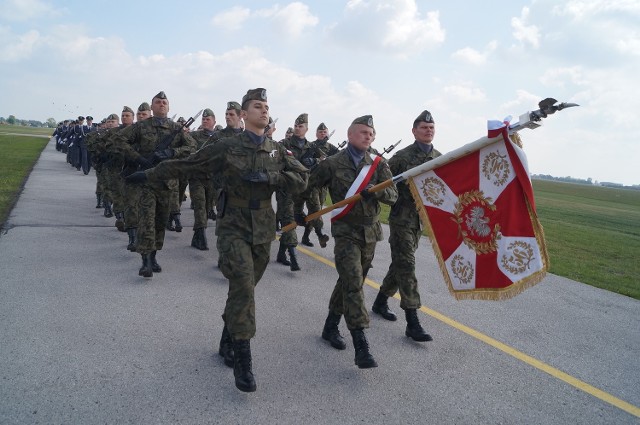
201, 165
187, 146
293, 178
388, 195
122, 143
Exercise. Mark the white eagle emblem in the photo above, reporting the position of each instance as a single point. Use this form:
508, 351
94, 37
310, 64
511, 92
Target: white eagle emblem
477, 223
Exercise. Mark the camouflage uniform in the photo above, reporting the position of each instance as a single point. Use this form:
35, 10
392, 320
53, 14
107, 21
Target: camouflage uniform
245, 226
326, 149
140, 140
405, 231
203, 194
355, 234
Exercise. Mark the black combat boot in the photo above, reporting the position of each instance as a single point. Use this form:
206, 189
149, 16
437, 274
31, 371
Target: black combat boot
363, 359
120, 221
305, 238
154, 263
170, 224
99, 199
242, 366
331, 333
132, 239
282, 255
293, 259
146, 270
107, 209
226, 347
176, 220
381, 307
322, 238
199, 239
414, 329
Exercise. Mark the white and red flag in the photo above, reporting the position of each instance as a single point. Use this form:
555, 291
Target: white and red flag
479, 211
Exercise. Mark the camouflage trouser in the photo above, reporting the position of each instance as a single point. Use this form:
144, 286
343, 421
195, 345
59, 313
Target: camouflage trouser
285, 215
243, 265
174, 201
201, 192
182, 187
99, 180
353, 260
402, 270
114, 185
153, 215
132, 194
313, 205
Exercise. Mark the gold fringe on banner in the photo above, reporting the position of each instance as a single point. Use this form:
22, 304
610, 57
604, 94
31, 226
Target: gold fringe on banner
494, 294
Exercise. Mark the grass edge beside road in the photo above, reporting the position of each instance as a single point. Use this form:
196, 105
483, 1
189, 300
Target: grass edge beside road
18, 154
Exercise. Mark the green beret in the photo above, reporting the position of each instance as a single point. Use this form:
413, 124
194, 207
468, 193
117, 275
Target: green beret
302, 119
126, 109
322, 126
233, 105
208, 113
160, 95
144, 106
424, 116
364, 120
113, 117
255, 94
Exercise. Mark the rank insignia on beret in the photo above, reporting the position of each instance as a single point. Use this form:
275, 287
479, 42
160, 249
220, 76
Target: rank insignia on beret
233, 105
425, 116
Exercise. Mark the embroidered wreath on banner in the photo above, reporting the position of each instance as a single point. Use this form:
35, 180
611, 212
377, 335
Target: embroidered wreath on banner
495, 167
433, 190
462, 270
522, 255
475, 227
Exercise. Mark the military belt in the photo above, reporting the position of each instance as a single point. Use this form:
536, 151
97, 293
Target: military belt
253, 204
355, 221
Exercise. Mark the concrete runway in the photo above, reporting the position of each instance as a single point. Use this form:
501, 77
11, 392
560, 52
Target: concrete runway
84, 340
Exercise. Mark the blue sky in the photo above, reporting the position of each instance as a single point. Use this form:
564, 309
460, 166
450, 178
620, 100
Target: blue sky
466, 62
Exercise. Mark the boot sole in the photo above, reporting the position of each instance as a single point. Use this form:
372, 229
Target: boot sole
342, 346
427, 338
385, 316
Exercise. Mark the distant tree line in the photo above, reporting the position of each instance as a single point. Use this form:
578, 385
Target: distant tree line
588, 181
12, 120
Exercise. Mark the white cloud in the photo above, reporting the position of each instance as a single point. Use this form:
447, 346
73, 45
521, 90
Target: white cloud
231, 19
465, 92
526, 34
395, 27
581, 9
23, 10
473, 56
14, 47
292, 19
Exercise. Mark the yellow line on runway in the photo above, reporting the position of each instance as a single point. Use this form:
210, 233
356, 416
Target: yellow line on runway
556, 373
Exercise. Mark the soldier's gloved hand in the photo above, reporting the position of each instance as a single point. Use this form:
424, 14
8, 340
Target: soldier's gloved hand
136, 178
144, 162
164, 154
366, 195
299, 218
256, 177
309, 162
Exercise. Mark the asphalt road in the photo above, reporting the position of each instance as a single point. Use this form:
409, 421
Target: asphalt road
84, 340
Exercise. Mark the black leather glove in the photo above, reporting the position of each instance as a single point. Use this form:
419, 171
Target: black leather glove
366, 195
136, 178
144, 162
256, 177
164, 154
299, 218
309, 162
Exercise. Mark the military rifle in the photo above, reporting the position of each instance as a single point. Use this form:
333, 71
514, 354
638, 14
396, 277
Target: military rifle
342, 144
390, 148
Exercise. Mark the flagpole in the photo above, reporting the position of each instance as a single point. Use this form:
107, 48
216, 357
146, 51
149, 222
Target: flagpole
531, 120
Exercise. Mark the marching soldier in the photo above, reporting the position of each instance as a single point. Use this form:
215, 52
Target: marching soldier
152, 141
252, 167
202, 190
356, 229
405, 232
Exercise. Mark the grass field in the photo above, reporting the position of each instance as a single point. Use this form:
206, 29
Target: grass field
592, 233
17, 156
18, 129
